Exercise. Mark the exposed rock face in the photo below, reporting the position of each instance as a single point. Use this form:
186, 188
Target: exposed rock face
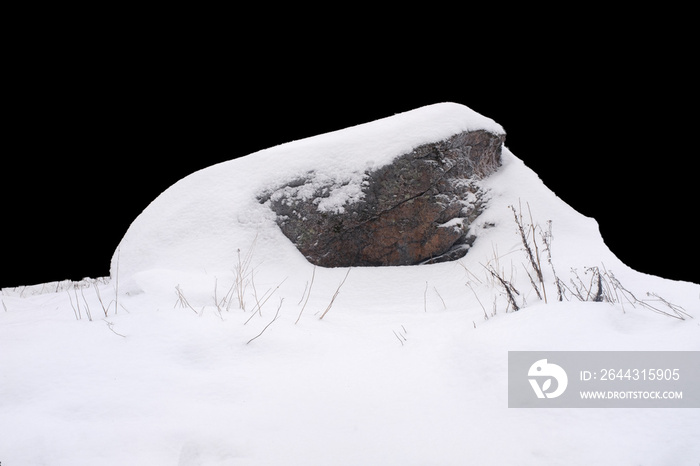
415, 210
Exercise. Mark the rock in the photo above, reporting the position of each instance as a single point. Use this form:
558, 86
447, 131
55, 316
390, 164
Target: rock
417, 209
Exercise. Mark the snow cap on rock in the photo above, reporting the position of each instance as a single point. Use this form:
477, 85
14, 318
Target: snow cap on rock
201, 222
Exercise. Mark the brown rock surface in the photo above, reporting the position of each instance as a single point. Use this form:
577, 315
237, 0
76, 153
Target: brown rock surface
417, 209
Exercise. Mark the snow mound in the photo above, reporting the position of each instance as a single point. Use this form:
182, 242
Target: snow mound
206, 225
201, 221
196, 353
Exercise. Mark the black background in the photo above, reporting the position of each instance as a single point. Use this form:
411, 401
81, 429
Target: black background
101, 119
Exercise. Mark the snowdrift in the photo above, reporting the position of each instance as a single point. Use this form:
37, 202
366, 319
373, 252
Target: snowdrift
207, 347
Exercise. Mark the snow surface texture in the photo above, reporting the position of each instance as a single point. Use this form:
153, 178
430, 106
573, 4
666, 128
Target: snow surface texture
404, 368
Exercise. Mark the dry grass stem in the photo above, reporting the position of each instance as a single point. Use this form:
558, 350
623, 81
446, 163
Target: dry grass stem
425, 298
99, 298
241, 272
87, 306
486, 316
439, 296
75, 312
268, 294
110, 325
271, 322
335, 295
182, 301
313, 275
508, 287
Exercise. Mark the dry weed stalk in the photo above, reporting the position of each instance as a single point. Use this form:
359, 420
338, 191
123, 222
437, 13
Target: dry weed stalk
76, 313
444, 306
241, 272
495, 277
87, 306
337, 291
313, 275
469, 272
602, 286
268, 294
486, 316
547, 238
401, 335
425, 298
675, 311
97, 292
110, 325
182, 301
271, 322
532, 251
507, 286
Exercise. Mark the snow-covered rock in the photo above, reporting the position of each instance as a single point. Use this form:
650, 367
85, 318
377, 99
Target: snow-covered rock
202, 221
416, 209
206, 346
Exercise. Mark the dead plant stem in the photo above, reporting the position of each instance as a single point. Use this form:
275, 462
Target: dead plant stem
335, 295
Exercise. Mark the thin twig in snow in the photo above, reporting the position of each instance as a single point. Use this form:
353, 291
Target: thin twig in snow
676, 308
469, 272
110, 325
486, 316
97, 291
507, 286
313, 275
306, 287
547, 238
425, 298
537, 255
271, 322
335, 295
260, 305
77, 313
443, 301
87, 306
182, 300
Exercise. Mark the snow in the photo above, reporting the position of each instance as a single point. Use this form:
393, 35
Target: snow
405, 368
191, 224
